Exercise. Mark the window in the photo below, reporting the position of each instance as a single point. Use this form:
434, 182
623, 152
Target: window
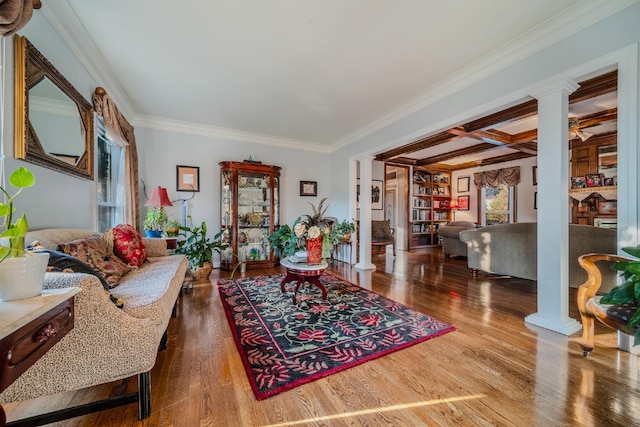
497, 205
109, 195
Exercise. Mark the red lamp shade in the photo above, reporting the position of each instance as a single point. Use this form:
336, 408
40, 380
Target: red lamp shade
159, 198
453, 204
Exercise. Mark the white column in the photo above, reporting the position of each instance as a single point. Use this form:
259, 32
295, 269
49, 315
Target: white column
366, 164
553, 209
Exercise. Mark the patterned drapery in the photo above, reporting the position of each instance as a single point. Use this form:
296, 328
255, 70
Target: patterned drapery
497, 177
120, 129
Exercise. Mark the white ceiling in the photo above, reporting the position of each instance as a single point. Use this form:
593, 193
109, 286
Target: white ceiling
317, 73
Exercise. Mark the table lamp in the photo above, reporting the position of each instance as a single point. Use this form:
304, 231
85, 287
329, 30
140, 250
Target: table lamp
453, 205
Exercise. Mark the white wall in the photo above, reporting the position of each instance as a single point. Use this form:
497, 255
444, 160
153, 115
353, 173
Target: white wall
161, 151
60, 200
57, 200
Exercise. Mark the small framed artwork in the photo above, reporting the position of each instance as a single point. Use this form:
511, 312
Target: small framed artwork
535, 200
308, 188
578, 182
594, 180
609, 182
535, 174
463, 203
463, 184
187, 178
376, 195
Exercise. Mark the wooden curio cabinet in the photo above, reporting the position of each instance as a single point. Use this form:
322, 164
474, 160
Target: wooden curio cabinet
249, 212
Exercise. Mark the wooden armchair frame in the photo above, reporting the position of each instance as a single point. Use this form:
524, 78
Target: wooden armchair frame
588, 304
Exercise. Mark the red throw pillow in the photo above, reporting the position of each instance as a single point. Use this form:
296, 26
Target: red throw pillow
94, 251
128, 245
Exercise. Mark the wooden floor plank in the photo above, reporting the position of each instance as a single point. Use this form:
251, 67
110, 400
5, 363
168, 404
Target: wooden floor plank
494, 370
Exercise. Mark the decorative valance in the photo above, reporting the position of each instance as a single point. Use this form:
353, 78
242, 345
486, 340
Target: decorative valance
497, 177
14, 14
120, 129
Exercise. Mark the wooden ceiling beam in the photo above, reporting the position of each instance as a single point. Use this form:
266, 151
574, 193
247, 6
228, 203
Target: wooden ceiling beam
456, 153
601, 117
491, 161
431, 141
517, 112
596, 86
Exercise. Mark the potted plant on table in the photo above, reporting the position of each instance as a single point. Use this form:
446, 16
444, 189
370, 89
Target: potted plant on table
21, 273
341, 232
309, 231
199, 249
172, 228
155, 222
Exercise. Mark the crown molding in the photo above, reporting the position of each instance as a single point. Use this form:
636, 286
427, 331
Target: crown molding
561, 26
183, 127
67, 24
572, 20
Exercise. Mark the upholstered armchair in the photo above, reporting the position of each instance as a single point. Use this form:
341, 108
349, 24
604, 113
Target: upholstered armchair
589, 305
382, 235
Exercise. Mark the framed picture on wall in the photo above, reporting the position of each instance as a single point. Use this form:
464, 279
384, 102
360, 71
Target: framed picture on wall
376, 194
463, 203
188, 178
308, 188
463, 184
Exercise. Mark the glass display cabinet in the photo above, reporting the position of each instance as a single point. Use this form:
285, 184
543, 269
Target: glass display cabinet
249, 212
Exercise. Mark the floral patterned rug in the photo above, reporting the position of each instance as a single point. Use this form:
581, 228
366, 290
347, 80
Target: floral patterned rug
285, 345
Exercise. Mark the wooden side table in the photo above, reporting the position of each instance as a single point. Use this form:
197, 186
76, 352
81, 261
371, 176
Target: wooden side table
303, 272
29, 328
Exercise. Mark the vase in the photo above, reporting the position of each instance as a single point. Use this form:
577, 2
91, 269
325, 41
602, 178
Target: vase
202, 273
314, 250
153, 234
22, 277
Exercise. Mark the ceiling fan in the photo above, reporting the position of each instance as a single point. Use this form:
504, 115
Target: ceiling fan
575, 131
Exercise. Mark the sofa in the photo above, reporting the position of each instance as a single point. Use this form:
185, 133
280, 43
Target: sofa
511, 250
107, 343
450, 236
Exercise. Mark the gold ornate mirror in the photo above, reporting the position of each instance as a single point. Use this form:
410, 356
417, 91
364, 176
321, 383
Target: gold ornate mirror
53, 121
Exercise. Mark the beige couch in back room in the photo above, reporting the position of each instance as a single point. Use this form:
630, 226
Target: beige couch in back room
511, 249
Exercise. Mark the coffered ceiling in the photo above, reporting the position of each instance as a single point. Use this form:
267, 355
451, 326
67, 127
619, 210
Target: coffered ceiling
512, 134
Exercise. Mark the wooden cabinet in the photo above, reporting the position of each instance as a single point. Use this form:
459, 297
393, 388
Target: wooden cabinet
590, 206
29, 328
430, 198
249, 212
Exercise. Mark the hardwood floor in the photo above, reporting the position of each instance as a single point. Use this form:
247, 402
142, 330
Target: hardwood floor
493, 371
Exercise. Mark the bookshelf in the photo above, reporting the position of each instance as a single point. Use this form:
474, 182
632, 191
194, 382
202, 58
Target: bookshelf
430, 198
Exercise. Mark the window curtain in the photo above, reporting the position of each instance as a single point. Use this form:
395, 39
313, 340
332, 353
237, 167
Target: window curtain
122, 133
495, 178
14, 14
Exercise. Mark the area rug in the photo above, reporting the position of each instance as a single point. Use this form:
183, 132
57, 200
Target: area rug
285, 345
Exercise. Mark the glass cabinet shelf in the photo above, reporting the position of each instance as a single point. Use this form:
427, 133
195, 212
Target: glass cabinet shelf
249, 212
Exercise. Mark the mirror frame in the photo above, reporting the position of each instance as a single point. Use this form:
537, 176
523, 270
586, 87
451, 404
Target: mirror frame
31, 67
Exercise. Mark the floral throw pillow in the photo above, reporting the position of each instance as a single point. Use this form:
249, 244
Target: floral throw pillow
128, 245
94, 251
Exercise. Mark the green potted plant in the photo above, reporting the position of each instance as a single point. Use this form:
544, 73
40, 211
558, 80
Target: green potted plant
627, 292
16, 265
172, 228
155, 222
199, 249
342, 231
284, 242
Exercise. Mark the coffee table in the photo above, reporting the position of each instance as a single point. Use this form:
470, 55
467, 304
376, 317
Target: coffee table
302, 272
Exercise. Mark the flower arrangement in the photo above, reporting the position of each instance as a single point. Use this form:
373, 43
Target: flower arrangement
308, 230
